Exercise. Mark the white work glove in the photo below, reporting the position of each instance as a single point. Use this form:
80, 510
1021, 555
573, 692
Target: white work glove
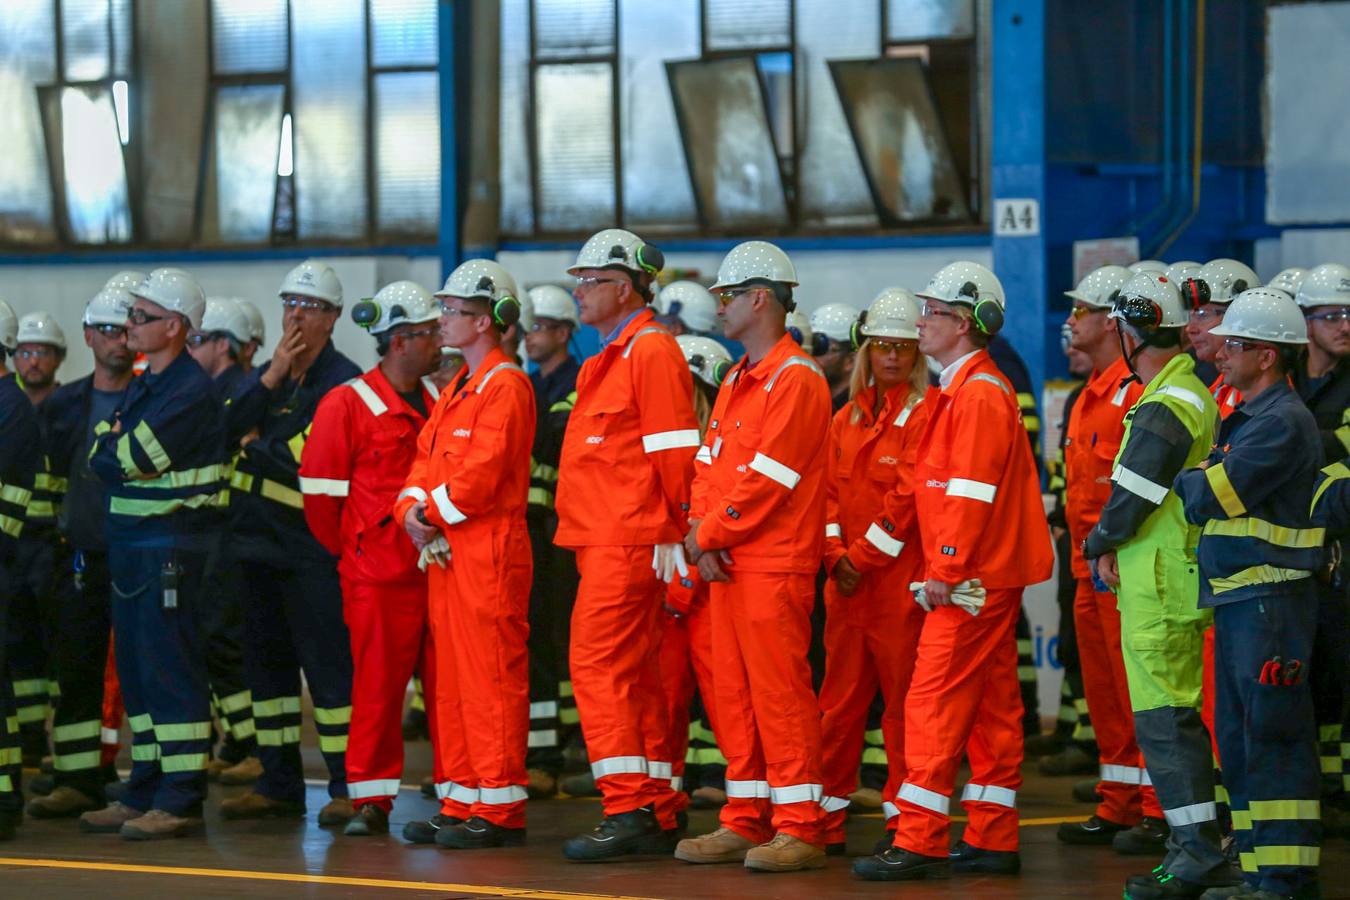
667, 559
969, 595
436, 551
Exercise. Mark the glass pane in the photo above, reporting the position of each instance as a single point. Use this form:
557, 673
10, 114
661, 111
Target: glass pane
122, 24
572, 28
328, 101
27, 56
87, 47
247, 138
726, 135
575, 139
913, 20
893, 119
403, 33
95, 176
739, 24
248, 36
832, 184
517, 201
407, 153
170, 114
656, 188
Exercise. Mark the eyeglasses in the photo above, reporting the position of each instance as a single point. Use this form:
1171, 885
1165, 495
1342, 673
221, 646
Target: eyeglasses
899, 348
306, 304
110, 330
1082, 312
447, 309
1338, 316
1200, 315
587, 283
35, 353
140, 317
727, 297
929, 311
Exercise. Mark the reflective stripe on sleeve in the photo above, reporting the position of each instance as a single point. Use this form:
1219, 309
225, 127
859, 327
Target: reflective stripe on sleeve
327, 487
974, 490
449, 512
877, 537
773, 469
670, 440
1139, 485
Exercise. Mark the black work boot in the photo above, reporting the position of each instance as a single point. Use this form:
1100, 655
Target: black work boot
479, 834
1096, 831
968, 860
901, 865
615, 836
369, 820
425, 832
1148, 838
1160, 885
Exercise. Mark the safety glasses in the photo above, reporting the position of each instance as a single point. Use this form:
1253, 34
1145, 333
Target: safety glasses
110, 330
928, 312
141, 317
728, 296
1335, 317
585, 284
306, 304
1238, 345
887, 348
1082, 312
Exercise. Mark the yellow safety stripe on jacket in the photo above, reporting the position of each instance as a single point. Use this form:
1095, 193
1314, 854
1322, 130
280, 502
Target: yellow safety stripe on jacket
297, 443
269, 489
1334, 472
140, 506
1256, 575
1279, 535
566, 404
1223, 490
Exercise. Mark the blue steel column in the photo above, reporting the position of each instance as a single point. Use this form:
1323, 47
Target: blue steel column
1019, 171
449, 25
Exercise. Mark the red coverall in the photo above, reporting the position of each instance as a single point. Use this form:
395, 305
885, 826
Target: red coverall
759, 492
980, 517
870, 637
473, 473
360, 448
623, 487
686, 663
1092, 440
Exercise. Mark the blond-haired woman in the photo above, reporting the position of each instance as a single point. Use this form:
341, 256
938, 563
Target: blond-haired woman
872, 551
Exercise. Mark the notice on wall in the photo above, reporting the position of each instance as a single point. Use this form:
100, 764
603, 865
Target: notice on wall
1089, 255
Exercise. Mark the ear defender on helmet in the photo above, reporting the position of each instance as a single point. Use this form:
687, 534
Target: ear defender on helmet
796, 334
1139, 312
366, 313
506, 312
1196, 292
855, 335
986, 313
650, 259
820, 343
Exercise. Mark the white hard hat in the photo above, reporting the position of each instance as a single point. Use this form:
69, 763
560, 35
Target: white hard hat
176, 291
1099, 286
109, 307
9, 327
1148, 265
1264, 314
692, 303
1220, 281
1182, 271
893, 313
1326, 285
526, 318
1288, 280
553, 302
315, 279
755, 260
257, 328
800, 328
224, 314
125, 280
707, 359
485, 279
1149, 300
41, 328
836, 320
615, 248
398, 303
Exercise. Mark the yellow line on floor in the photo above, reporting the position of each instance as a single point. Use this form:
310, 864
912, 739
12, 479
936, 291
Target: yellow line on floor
336, 880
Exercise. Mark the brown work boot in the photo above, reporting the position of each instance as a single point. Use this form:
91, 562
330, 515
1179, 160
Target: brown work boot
109, 819
541, 785
864, 800
246, 771
708, 797
62, 803
338, 811
255, 806
721, 846
785, 853
215, 767
156, 825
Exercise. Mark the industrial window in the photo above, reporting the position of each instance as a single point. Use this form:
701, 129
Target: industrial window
219, 122
721, 116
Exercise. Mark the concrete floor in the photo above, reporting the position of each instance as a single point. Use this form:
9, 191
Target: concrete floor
298, 859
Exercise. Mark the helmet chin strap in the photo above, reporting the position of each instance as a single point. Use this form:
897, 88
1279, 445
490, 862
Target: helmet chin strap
1130, 357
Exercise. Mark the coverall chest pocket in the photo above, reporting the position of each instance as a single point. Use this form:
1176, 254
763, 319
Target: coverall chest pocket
741, 440
599, 427
387, 444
